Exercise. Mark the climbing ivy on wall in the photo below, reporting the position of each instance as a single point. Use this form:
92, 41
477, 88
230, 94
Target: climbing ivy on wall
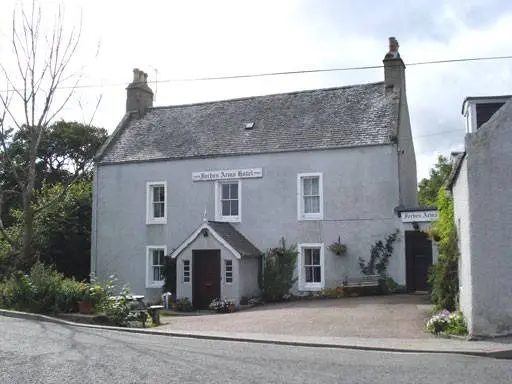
380, 253
443, 275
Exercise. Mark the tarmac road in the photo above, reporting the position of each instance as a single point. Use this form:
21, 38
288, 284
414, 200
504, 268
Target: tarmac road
40, 352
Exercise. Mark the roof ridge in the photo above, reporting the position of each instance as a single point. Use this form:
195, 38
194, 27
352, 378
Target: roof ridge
265, 95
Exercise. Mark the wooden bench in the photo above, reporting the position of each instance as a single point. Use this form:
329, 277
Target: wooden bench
362, 281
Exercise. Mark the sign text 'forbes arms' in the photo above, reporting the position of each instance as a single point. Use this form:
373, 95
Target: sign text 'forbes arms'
249, 173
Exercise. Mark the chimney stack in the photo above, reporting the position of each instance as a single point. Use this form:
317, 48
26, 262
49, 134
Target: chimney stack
139, 96
394, 67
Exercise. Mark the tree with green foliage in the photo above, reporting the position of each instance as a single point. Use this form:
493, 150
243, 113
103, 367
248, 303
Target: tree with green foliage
39, 82
443, 275
64, 159
65, 154
62, 231
428, 188
278, 271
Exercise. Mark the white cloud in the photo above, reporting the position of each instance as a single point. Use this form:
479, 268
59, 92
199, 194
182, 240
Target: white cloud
210, 38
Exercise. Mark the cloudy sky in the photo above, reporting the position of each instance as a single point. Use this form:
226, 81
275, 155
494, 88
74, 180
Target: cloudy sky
174, 40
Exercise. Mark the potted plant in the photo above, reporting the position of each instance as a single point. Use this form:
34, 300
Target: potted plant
91, 298
85, 307
337, 247
231, 306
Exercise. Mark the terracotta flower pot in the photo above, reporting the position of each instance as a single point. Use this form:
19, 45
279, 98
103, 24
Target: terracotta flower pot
85, 307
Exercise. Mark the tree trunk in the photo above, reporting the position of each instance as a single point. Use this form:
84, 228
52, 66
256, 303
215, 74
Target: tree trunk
28, 209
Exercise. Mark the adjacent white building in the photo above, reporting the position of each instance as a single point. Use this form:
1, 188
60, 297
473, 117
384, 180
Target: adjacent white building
481, 184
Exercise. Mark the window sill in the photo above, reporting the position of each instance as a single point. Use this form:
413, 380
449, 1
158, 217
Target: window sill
230, 219
312, 287
315, 217
157, 285
156, 221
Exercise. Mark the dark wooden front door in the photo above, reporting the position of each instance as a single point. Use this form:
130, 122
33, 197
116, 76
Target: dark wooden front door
205, 277
418, 259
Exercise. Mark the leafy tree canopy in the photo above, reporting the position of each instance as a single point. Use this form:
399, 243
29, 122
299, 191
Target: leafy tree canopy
66, 152
429, 188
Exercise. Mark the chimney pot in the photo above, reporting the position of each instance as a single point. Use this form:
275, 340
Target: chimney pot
394, 67
135, 74
139, 95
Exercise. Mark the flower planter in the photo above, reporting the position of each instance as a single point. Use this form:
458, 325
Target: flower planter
84, 307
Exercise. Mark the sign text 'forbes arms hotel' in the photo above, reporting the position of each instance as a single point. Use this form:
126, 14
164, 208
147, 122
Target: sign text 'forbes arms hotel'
249, 173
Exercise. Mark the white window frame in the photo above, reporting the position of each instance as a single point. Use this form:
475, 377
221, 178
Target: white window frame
301, 215
189, 271
226, 271
303, 286
218, 205
150, 283
150, 219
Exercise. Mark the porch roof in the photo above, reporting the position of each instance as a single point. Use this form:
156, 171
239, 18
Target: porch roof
227, 235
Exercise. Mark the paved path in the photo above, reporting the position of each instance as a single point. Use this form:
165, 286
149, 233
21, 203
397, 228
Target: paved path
397, 316
40, 352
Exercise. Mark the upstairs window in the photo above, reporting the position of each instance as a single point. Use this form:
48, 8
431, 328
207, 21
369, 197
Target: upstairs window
156, 209
228, 201
310, 196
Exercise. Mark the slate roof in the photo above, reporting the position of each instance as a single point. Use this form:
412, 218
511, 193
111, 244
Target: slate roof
329, 118
235, 239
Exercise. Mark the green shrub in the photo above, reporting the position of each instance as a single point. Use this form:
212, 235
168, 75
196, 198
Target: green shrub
278, 272
46, 284
70, 293
35, 292
44, 290
16, 292
244, 300
117, 308
183, 305
388, 285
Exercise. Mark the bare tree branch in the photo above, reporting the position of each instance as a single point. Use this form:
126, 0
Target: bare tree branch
42, 68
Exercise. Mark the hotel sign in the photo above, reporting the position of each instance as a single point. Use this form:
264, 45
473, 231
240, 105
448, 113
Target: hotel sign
409, 217
248, 173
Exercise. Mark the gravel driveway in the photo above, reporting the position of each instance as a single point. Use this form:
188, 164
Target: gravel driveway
395, 316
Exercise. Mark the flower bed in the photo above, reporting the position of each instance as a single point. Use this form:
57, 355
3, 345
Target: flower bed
446, 323
222, 306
